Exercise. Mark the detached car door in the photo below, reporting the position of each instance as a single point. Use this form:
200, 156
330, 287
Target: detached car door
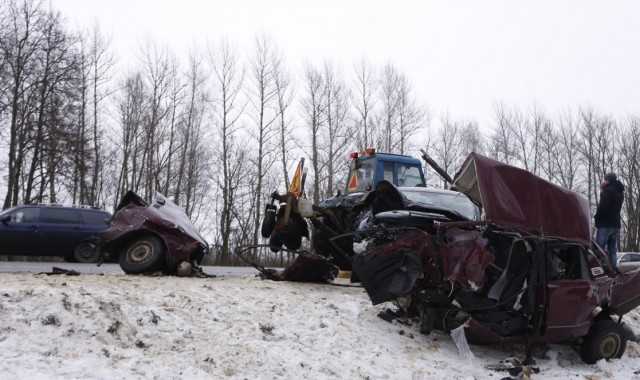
19, 231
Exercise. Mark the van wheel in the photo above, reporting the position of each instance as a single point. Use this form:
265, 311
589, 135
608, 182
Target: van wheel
86, 252
145, 253
606, 340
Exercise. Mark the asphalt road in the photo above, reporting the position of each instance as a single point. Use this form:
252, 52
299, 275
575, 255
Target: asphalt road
38, 267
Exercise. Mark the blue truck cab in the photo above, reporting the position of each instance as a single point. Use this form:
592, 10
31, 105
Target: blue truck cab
368, 168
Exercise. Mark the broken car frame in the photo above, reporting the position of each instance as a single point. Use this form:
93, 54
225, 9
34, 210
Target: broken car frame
527, 273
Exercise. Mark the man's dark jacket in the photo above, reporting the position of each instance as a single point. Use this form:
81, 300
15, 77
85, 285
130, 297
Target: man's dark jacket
608, 213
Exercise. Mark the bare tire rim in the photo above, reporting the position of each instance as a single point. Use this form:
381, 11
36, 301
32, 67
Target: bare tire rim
86, 251
140, 252
610, 346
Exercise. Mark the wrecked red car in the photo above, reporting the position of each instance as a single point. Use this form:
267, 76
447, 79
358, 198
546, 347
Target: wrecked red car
147, 237
527, 273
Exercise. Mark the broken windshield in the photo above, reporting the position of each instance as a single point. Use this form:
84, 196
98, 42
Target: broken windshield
445, 199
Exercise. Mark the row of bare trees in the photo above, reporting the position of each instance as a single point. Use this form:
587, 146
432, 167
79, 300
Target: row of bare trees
221, 131
52, 86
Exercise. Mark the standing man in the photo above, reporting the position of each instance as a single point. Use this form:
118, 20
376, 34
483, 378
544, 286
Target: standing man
607, 216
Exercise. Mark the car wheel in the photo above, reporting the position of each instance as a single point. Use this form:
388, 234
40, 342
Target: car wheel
86, 252
275, 244
144, 254
291, 240
269, 221
606, 340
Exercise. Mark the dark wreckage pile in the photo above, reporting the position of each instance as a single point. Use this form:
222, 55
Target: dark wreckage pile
527, 272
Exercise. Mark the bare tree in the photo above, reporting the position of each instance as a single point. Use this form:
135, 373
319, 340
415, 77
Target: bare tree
549, 148
472, 138
629, 166
19, 45
5, 22
597, 148
563, 163
39, 75
411, 118
313, 108
95, 63
501, 140
228, 107
263, 97
55, 67
389, 86
193, 157
448, 145
187, 108
159, 70
131, 108
364, 101
285, 95
181, 86
526, 130
336, 132
524, 148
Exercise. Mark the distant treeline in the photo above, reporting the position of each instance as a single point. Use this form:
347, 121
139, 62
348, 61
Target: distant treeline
221, 132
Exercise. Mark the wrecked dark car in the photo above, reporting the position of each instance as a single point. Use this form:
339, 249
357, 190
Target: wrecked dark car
527, 273
147, 237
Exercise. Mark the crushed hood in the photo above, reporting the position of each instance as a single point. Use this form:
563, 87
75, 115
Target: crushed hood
516, 198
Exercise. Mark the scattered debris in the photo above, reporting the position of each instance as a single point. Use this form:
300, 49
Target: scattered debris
50, 319
307, 267
115, 326
267, 329
56, 271
515, 367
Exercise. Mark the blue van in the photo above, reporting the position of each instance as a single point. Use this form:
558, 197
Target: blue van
52, 230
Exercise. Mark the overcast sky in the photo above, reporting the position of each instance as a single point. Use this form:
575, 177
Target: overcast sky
460, 56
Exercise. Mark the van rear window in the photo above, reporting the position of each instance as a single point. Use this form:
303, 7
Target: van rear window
61, 216
94, 217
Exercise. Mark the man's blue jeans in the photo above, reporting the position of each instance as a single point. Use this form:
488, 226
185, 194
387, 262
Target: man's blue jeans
606, 237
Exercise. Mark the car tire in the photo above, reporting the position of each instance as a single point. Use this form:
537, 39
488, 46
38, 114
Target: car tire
145, 253
291, 240
86, 252
275, 244
269, 221
606, 340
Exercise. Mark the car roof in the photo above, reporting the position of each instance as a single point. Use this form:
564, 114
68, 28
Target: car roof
58, 206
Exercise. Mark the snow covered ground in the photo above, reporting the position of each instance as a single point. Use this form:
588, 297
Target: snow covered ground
116, 326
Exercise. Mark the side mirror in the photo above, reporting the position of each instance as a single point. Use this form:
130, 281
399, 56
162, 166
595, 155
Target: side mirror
5, 219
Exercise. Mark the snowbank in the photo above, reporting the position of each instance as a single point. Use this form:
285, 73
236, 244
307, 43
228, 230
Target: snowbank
135, 327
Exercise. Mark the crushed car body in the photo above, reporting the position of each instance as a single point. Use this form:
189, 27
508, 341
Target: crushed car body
147, 237
526, 273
